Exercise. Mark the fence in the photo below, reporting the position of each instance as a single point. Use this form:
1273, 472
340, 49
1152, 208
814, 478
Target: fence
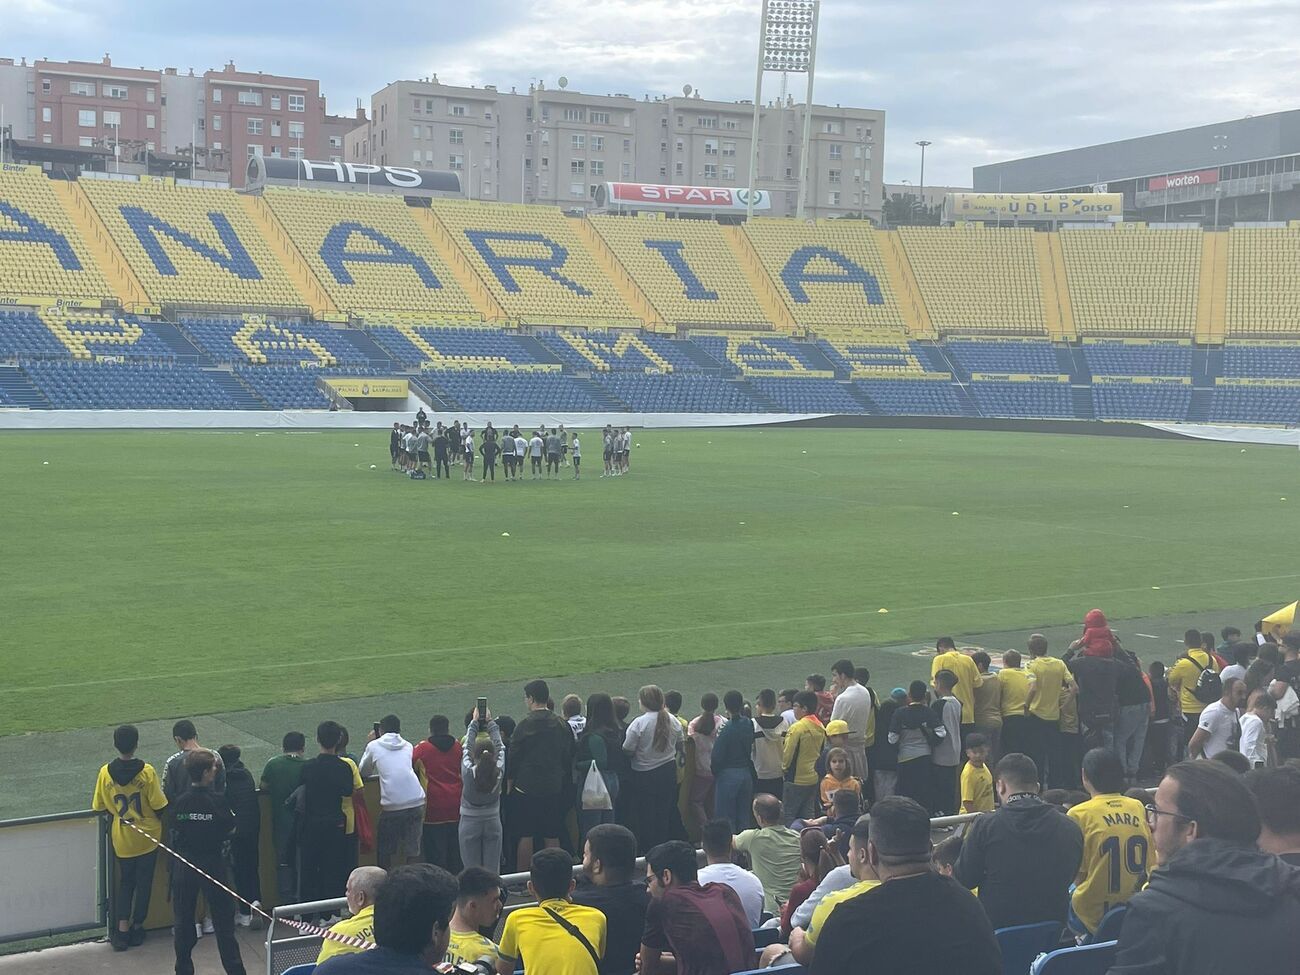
56, 875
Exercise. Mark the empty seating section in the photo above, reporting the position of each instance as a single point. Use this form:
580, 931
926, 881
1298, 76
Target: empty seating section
1001, 398
533, 391
1035, 358
256, 340
1263, 290
369, 252
686, 268
1247, 361
89, 334
874, 356
1138, 358
291, 387
480, 348
679, 393
24, 335
600, 351
1141, 400
41, 251
831, 273
808, 395
1133, 280
977, 279
533, 261
1256, 403
757, 355
128, 386
913, 397
192, 246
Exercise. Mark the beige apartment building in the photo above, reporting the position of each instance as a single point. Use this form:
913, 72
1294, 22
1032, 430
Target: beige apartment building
554, 145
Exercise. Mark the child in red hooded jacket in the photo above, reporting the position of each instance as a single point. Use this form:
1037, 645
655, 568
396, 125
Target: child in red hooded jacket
1097, 639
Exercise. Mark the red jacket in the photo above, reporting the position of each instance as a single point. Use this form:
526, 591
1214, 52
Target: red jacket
437, 763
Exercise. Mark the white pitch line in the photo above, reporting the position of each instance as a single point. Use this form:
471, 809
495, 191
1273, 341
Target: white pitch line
1149, 636
621, 634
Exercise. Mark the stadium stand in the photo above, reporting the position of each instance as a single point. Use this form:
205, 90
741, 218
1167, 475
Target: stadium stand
192, 246
369, 253
881, 354
42, 253
24, 335
679, 393
531, 391
977, 279
1253, 401
1263, 292
460, 348
1141, 398
292, 387
1138, 357
1022, 397
1132, 280
914, 397
1281, 359
687, 269
829, 273
1002, 356
254, 339
534, 262
135, 386
809, 395
756, 355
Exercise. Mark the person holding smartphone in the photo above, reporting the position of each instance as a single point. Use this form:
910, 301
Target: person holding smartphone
482, 770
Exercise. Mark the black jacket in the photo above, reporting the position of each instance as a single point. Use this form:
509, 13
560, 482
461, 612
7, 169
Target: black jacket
1022, 858
241, 793
1217, 908
540, 754
202, 822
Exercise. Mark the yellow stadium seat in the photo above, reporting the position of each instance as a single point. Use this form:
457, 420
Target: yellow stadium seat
533, 262
977, 279
223, 262
34, 261
1133, 280
1263, 286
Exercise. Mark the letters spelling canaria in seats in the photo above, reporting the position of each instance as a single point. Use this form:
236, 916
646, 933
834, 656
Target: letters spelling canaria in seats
500, 264
36, 232
334, 252
795, 274
147, 226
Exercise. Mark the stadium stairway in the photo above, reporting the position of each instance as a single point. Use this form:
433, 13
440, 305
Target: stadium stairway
172, 337
1207, 365
935, 359
237, 391
1081, 400
441, 401
766, 403
1071, 362
698, 355
868, 404
371, 349
966, 401
17, 390
537, 349
598, 392
1198, 410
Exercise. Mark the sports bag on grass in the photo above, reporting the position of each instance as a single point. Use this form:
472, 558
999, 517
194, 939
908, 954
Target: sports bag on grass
595, 794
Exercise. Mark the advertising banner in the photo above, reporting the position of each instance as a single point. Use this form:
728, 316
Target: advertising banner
1200, 177
1033, 206
369, 387
645, 196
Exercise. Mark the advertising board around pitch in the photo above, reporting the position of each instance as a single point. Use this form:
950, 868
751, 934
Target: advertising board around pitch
1034, 206
369, 387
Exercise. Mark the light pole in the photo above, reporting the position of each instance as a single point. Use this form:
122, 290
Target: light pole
1220, 145
117, 148
923, 143
787, 42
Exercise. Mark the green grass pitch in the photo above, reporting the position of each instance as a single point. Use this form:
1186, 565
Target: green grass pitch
153, 574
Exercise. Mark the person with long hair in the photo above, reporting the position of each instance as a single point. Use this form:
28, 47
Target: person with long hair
703, 732
482, 769
818, 858
733, 765
601, 741
652, 743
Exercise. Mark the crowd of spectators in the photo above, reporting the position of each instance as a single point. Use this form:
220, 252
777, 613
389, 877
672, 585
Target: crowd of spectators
815, 810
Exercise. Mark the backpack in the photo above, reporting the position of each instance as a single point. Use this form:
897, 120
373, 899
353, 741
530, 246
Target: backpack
1209, 685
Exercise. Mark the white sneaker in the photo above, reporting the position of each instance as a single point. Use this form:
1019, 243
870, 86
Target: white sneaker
198, 930
207, 925
243, 920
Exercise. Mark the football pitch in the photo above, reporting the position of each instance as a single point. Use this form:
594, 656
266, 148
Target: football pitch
151, 575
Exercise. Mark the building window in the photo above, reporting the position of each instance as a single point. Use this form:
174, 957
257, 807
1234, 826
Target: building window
86, 118
456, 162
627, 145
336, 142
297, 103
728, 172
837, 151
275, 152
216, 146
86, 141
832, 176
115, 91
600, 118
680, 145
546, 162
663, 172
680, 120
151, 121
428, 106
833, 198
487, 189
577, 189
707, 121
577, 141
149, 95
254, 126
456, 136
678, 169
487, 114
47, 138
730, 123
577, 167
250, 98
297, 130
833, 128
216, 123
417, 102
428, 155
254, 150
203, 124
112, 118
84, 88
275, 126
47, 114
729, 149
295, 152
216, 94
627, 170
45, 86
546, 137
710, 147
415, 155
597, 143
573, 115
597, 168
458, 111
415, 131
710, 171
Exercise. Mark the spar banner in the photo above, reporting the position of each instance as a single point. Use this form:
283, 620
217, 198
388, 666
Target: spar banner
656, 196
277, 171
1034, 206
1200, 177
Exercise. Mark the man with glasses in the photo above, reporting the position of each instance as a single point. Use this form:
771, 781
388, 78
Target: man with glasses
1217, 903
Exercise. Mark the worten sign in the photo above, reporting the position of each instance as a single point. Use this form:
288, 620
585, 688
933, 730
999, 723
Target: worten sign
664, 197
1174, 181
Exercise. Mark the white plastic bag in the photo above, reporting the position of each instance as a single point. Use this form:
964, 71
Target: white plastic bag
595, 795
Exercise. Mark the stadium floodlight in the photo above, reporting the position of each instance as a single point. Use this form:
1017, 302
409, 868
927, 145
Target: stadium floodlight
787, 42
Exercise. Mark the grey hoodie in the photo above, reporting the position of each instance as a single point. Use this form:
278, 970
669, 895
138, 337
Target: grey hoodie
476, 802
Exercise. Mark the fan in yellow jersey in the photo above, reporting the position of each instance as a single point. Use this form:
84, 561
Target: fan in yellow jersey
967, 674
478, 905
1116, 843
363, 884
976, 779
557, 936
129, 789
803, 944
1043, 724
1016, 682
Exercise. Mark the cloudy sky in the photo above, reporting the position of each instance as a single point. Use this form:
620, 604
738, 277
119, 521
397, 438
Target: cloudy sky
983, 81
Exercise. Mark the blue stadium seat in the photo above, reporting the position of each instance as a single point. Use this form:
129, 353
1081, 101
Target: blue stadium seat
499, 390
1120, 359
1033, 358
1093, 959
1141, 401
679, 393
130, 386
1259, 362
1023, 943
811, 395
22, 333
1023, 399
912, 397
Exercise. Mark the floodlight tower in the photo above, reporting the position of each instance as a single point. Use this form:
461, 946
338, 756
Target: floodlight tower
787, 42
